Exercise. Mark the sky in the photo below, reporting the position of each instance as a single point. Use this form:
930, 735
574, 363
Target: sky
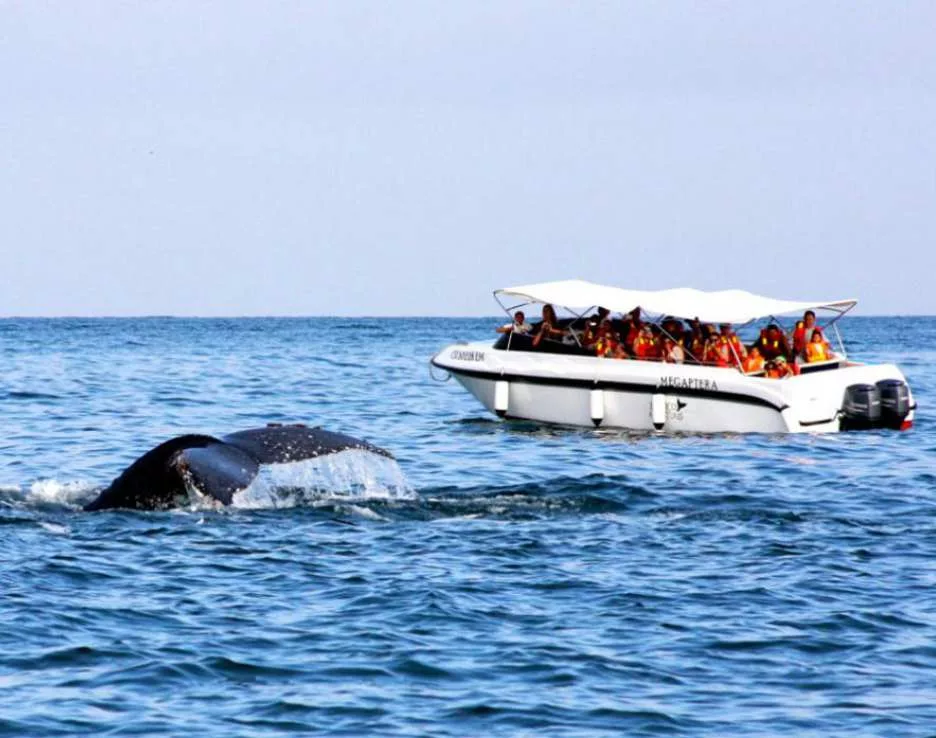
407, 158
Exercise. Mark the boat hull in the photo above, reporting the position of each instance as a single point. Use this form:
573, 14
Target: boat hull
644, 396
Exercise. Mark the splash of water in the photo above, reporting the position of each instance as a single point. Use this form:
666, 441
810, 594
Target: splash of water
351, 475
52, 492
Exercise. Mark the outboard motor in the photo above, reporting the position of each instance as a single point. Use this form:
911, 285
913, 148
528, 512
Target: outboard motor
895, 402
861, 407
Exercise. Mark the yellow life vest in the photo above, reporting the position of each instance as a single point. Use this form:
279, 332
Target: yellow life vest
816, 352
604, 346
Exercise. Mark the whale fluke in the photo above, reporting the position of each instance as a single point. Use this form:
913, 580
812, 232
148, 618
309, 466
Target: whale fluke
217, 467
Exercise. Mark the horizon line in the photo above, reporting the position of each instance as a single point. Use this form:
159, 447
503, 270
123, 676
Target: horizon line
298, 316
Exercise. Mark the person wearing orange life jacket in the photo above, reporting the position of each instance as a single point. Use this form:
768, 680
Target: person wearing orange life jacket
711, 338
590, 332
809, 322
799, 338
695, 342
772, 343
779, 369
739, 351
720, 353
753, 363
817, 349
810, 325
645, 345
607, 344
634, 324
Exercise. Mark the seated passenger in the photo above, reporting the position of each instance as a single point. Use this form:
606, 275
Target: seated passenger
633, 324
673, 327
608, 343
694, 342
726, 330
590, 332
709, 352
548, 328
753, 363
799, 339
519, 325
779, 368
719, 352
673, 352
809, 322
772, 343
817, 349
645, 346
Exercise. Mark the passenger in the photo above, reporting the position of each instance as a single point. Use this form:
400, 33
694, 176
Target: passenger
736, 345
799, 338
548, 328
772, 343
634, 325
673, 352
753, 363
673, 327
817, 349
519, 325
719, 352
779, 368
608, 343
695, 342
590, 333
709, 353
809, 322
645, 346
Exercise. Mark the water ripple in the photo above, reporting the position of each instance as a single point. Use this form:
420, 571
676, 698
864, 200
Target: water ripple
506, 579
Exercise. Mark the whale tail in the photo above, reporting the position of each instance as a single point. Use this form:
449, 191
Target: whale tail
219, 468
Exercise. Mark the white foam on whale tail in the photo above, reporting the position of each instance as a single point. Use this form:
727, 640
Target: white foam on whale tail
348, 476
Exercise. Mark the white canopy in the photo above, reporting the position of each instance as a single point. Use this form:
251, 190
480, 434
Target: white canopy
724, 306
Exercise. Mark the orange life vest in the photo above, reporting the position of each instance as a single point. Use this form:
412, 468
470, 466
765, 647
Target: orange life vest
605, 346
799, 337
723, 355
719, 352
697, 348
633, 332
753, 364
816, 352
645, 348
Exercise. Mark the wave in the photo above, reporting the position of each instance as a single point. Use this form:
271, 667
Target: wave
25, 395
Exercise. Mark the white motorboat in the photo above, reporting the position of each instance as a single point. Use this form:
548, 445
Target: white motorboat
561, 380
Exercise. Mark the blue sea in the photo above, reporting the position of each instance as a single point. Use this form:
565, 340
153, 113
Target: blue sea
498, 579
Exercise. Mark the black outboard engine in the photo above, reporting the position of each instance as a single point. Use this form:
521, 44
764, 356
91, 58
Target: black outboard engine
861, 407
895, 402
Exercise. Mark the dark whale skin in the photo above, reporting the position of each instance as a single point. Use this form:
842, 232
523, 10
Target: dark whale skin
218, 467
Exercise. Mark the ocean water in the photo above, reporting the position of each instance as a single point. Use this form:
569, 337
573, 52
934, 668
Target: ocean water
499, 579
